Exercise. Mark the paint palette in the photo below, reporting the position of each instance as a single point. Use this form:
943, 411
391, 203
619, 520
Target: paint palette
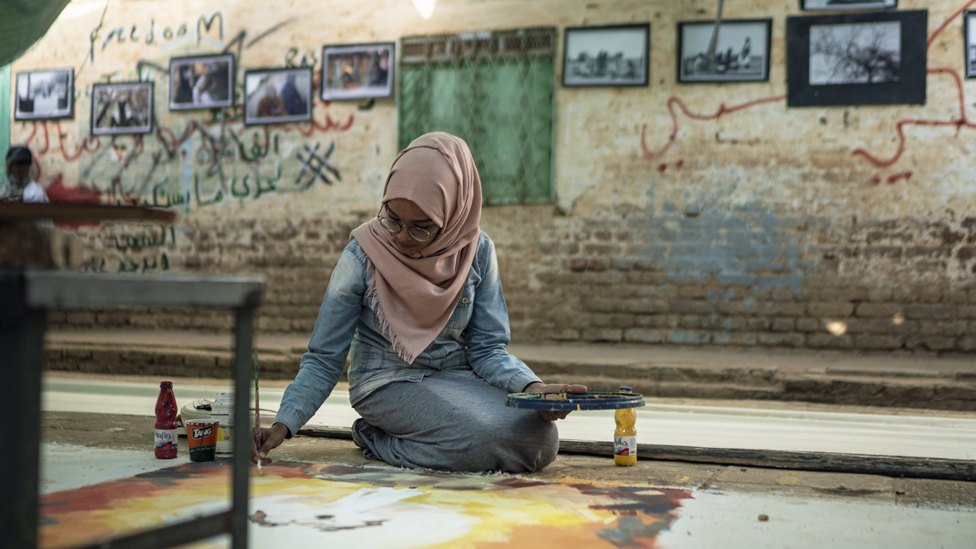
569, 402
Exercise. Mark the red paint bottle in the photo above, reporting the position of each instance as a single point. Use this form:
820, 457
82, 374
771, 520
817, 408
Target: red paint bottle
166, 422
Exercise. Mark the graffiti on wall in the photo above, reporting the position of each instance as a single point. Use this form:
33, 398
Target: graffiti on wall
877, 160
189, 161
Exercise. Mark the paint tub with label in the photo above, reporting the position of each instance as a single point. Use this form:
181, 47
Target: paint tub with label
201, 436
222, 411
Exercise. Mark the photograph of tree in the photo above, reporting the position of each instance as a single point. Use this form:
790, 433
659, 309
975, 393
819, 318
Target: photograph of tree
862, 53
874, 58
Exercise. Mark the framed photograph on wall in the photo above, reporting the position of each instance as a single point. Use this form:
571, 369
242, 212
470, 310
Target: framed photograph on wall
856, 59
125, 107
357, 71
741, 51
202, 82
969, 41
616, 55
838, 5
277, 96
45, 95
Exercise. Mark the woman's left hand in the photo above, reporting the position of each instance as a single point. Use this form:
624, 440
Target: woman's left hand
554, 388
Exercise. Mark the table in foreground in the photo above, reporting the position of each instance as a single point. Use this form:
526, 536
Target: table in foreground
25, 297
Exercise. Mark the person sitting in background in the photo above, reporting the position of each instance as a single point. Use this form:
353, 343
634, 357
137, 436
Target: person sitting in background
20, 187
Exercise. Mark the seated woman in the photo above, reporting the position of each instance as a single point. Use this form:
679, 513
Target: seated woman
416, 301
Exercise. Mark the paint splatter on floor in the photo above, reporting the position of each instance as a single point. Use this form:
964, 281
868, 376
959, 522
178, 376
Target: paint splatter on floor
299, 505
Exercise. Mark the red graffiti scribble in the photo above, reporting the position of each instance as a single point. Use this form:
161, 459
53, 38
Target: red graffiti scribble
946, 23
329, 125
83, 148
962, 121
875, 180
47, 141
118, 194
902, 175
679, 163
722, 109
58, 192
661, 167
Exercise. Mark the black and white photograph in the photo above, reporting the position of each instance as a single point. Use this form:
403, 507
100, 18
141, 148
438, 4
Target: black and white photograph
837, 5
126, 107
857, 59
969, 41
855, 53
739, 52
360, 71
277, 96
45, 95
616, 55
205, 82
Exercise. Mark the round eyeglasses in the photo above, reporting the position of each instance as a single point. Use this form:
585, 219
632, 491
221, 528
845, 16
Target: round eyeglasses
394, 226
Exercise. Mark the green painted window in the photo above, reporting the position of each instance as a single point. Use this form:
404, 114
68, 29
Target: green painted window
4, 119
494, 90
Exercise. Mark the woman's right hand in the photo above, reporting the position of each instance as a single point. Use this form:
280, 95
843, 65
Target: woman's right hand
269, 439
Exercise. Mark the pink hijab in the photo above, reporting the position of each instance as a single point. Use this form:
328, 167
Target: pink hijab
414, 297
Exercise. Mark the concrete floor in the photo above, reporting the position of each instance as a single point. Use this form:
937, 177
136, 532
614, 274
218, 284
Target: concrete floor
805, 509
740, 425
722, 507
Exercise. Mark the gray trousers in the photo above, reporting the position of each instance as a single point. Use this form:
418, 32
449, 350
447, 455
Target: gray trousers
453, 422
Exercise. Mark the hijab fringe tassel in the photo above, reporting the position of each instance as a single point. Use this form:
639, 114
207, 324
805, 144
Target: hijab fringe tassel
372, 298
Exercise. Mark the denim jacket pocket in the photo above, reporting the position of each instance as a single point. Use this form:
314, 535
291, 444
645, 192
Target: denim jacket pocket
364, 358
462, 312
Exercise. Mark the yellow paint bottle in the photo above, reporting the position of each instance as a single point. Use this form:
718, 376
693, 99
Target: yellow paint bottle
625, 437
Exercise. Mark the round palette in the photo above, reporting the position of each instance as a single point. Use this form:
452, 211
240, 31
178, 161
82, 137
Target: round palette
569, 402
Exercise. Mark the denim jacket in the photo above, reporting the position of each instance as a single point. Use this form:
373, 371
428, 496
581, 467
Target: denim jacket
473, 341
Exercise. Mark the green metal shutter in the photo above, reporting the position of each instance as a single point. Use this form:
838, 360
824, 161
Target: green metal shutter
494, 90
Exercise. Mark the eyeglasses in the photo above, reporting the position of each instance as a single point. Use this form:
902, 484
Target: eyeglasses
394, 226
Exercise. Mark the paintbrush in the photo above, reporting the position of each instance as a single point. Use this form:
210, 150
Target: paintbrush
257, 415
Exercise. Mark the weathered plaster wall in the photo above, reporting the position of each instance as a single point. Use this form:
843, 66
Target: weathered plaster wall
705, 213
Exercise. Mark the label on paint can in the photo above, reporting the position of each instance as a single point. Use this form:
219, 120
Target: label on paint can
624, 446
166, 437
225, 435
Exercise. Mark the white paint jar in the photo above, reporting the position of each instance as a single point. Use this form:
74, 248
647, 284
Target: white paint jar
222, 411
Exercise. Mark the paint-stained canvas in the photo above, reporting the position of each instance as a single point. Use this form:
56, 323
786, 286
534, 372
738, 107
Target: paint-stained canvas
278, 96
362, 71
45, 95
741, 51
616, 55
302, 506
122, 108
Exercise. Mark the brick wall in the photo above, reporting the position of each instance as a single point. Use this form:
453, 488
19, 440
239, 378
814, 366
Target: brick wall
683, 214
